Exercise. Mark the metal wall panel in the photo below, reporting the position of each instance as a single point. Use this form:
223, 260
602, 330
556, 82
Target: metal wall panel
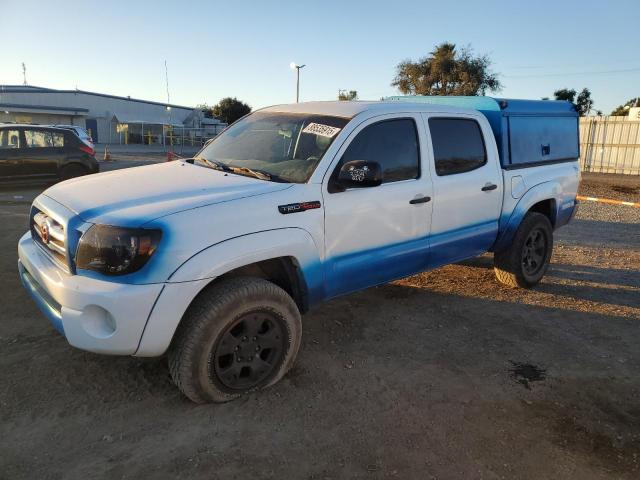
610, 145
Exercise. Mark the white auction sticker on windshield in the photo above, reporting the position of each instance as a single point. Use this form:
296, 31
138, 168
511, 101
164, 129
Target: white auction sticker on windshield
322, 130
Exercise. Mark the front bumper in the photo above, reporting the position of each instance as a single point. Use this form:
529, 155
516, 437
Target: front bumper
95, 315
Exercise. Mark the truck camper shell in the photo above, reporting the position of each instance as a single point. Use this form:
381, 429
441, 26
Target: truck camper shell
527, 132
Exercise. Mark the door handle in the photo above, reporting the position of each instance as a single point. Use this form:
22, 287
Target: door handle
489, 186
420, 200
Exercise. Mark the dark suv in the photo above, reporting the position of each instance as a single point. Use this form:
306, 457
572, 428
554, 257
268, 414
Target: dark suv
39, 153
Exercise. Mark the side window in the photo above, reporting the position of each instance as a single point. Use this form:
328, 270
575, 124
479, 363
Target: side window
458, 145
9, 139
391, 143
38, 138
58, 139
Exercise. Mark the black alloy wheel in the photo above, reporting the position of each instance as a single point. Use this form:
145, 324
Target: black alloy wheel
250, 352
534, 252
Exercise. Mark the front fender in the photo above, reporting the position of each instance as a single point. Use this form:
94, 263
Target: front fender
197, 272
509, 222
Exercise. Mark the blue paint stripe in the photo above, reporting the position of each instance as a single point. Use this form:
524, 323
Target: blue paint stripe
358, 270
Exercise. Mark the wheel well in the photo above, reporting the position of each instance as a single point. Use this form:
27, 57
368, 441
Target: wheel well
546, 208
283, 271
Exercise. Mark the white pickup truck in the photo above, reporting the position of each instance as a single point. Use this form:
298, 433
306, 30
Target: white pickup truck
212, 260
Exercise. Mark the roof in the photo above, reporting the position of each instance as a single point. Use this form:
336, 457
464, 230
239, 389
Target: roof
35, 89
508, 106
350, 109
17, 107
31, 125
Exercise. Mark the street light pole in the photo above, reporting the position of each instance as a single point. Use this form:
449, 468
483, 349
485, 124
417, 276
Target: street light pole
297, 67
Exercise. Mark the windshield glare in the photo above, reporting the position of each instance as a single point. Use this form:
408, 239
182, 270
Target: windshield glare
286, 146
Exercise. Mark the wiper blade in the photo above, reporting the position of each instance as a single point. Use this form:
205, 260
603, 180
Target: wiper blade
216, 165
254, 173
245, 171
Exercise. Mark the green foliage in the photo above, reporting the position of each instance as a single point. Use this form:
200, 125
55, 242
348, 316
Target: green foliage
447, 71
583, 102
206, 109
565, 94
623, 110
229, 110
345, 95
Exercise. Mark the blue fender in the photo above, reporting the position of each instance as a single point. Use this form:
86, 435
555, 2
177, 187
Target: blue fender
510, 223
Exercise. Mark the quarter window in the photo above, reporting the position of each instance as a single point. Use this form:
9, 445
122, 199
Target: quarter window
458, 145
391, 143
58, 139
9, 139
38, 138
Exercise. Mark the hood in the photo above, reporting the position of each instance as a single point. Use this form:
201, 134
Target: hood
134, 196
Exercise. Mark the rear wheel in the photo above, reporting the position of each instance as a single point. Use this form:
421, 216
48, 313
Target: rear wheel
238, 336
72, 171
526, 260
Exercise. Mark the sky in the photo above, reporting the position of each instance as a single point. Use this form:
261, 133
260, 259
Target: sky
244, 49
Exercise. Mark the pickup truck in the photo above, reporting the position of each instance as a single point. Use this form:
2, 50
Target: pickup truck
212, 260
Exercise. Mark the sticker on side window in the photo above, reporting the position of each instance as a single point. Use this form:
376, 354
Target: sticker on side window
322, 130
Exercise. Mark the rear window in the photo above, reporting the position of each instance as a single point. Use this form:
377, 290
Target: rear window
43, 139
458, 145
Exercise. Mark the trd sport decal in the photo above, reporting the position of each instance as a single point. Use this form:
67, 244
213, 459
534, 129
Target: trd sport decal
298, 207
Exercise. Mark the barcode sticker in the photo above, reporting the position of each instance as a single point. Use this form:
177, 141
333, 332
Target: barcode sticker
322, 130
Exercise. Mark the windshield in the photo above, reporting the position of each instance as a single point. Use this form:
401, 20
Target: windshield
273, 146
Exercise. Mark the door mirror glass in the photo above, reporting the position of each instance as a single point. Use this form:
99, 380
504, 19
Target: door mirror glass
360, 174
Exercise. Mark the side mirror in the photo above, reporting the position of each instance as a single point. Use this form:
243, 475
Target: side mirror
360, 174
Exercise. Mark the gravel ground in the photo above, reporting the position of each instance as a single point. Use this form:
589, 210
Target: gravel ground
446, 374
615, 187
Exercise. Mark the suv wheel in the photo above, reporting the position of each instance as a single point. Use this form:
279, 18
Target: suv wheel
526, 260
72, 171
239, 335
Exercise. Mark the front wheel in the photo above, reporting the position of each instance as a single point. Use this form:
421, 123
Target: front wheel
239, 335
526, 260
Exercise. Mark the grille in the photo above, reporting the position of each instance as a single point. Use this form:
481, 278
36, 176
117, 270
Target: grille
50, 236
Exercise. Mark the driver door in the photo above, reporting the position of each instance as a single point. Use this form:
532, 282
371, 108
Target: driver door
377, 234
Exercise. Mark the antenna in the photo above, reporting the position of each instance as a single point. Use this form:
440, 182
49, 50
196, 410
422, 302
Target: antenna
24, 74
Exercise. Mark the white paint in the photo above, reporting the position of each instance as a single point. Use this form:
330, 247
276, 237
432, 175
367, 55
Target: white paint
216, 222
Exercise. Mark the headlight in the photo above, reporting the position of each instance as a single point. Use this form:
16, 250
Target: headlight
116, 250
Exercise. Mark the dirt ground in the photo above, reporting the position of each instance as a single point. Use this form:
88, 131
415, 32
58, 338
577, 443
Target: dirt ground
445, 374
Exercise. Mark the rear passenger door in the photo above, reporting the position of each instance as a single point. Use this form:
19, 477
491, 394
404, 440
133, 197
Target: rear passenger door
9, 152
467, 187
43, 151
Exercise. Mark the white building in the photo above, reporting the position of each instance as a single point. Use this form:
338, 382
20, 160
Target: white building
108, 118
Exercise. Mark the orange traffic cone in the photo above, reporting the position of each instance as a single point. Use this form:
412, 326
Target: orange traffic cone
107, 155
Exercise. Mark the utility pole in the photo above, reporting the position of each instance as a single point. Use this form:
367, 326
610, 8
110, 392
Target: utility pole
166, 77
24, 74
297, 67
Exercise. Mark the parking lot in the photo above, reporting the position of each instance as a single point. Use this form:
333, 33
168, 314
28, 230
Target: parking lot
446, 374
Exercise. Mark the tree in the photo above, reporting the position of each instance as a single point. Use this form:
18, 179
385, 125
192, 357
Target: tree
583, 102
345, 95
623, 110
230, 109
206, 109
447, 71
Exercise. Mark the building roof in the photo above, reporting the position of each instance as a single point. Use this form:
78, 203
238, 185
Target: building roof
16, 107
35, 89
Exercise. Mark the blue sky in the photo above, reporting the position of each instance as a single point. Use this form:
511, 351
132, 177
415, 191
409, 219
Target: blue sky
244, 48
